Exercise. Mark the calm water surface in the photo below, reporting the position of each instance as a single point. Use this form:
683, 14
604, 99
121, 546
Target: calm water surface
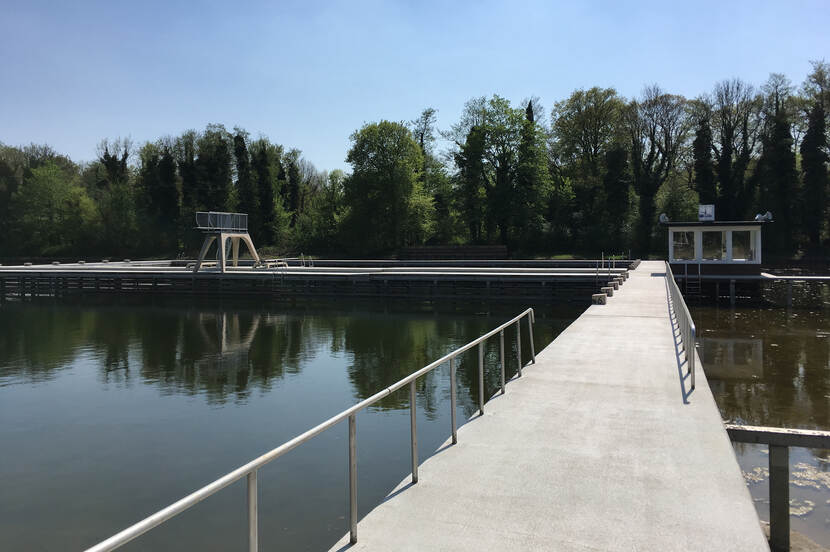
771, 367
110, 411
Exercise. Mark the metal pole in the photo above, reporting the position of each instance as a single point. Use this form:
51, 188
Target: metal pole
779, 498
413, 431
352, 481
519, 346
452, 400
690, 353
481, 378
253, 531
501, 358
530, 333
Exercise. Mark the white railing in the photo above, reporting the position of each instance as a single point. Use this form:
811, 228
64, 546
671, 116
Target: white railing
213, 220
250, 469
684, 322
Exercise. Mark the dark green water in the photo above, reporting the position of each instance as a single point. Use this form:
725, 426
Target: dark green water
771, 367
111, 411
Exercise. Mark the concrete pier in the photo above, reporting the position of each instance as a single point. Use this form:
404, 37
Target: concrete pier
469, 279
600, 445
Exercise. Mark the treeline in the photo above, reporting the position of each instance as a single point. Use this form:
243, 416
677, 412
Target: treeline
112, 207
590, 175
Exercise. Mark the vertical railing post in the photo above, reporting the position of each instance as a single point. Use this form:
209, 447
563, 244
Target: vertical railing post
352, 481
413, 431
519, 346
452, 400
253, 530
501, 358
691, 355
481, 378
779, 498
530, 333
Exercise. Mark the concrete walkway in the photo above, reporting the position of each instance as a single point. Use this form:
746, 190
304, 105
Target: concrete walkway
597, 447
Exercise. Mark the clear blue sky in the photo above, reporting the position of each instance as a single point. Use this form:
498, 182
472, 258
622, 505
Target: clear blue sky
307, 74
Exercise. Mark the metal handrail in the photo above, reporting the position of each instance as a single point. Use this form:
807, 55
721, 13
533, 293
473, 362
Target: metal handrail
250, 469
217, 220
779, 440
684, 322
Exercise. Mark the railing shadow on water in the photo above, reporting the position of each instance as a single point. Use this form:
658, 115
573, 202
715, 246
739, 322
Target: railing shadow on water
680, 349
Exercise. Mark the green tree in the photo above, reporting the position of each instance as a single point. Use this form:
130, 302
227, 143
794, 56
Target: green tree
777, 182
472, 182
532, 182
434, 178
273, 220
213, 168
53, 215
704, 168
735, 132
617, 187
248, 199
115, 197
657, 127
185, 153
157, 197
388, 207
319, 224
294, 182
814, 168
586, 126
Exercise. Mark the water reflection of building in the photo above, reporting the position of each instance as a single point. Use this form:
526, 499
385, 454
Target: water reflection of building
733, 358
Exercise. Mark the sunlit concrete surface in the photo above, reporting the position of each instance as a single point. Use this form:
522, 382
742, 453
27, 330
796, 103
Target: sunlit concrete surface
599, 446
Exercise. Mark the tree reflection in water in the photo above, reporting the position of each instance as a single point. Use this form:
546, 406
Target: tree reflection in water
225, 351
767, 366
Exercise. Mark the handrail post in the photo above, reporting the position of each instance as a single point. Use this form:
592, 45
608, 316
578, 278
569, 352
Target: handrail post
413, 431
691, 355
253, 530
779, 498
452, 401
481, 378
530, 333
501, 358
352, 481
519, 345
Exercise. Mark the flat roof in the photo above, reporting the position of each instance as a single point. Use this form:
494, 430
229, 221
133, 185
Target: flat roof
716, 223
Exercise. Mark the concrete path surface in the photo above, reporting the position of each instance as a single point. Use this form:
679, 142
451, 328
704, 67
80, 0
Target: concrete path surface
599, 446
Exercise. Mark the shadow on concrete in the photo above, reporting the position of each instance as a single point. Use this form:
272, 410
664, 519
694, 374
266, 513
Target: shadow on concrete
679, 350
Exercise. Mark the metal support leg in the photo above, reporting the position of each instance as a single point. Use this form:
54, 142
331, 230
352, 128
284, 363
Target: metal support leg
452, 401
414, 431
501, 359
779, 498
519, 345
235, 251
253, 531
481, 378
205, 246
352, 481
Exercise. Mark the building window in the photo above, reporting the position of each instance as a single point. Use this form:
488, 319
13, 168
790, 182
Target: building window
683, 246
714, 246
743, 248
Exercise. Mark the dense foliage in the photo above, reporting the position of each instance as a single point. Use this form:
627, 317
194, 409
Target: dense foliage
590, 175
